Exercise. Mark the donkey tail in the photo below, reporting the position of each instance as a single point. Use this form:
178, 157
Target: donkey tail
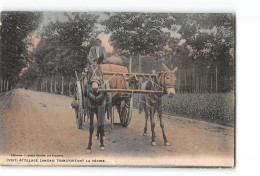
141, 109
142, 104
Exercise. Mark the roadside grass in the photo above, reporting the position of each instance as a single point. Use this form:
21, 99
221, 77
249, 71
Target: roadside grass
212, 107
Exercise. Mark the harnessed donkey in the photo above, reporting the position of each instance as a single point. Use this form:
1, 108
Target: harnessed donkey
96, 102
150, 103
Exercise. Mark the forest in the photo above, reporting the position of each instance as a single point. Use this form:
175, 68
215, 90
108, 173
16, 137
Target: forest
201, 45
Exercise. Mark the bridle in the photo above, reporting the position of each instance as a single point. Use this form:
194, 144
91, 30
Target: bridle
94, 77
162, 80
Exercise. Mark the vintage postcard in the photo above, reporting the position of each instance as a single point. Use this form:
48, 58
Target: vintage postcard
117, 89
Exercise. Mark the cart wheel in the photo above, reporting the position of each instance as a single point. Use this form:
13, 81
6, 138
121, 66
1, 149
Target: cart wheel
79, 111
125, 113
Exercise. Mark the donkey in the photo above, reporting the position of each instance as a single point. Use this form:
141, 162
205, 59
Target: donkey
96, 102
150, 103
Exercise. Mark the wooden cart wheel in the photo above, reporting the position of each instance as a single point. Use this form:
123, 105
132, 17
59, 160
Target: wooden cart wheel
79, 111
125, 113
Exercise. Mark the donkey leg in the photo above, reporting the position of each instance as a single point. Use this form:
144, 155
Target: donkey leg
102, 146
98, 134
146, 119
152, 126
91, 129
162, 127
101, 120
98, 131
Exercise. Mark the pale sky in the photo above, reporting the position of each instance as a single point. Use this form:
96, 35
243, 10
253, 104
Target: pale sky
54, 16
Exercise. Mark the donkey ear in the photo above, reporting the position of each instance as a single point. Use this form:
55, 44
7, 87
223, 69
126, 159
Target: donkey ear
166, 68
175, 69
100, 59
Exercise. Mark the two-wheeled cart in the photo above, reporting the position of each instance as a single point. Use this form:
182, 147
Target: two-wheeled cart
123, 84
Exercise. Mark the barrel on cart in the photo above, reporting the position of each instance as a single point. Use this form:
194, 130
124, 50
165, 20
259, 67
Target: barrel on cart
122, 101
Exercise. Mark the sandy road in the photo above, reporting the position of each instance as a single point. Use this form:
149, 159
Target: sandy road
37, 123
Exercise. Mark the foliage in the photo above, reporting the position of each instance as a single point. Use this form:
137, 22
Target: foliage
138, 33
30, 76
208, 46
62, 49
16, 26
212, 107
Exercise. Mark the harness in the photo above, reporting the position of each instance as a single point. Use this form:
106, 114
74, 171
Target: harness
99, 80
160, 85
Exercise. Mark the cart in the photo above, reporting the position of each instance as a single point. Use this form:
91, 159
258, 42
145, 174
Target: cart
123, 84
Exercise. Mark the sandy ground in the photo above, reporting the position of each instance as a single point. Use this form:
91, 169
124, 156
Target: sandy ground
39, 128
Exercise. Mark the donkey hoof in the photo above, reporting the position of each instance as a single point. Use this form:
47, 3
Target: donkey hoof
167, 143
153, 143
102, 148
96, 137
88, 151
144, 134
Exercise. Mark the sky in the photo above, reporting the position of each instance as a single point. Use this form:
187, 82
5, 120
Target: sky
59, 16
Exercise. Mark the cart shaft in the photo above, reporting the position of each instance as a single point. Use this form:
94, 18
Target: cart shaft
130, 91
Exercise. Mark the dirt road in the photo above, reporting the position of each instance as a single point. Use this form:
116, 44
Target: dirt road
43, 124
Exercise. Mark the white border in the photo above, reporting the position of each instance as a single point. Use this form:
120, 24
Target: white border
122, 5
248, 82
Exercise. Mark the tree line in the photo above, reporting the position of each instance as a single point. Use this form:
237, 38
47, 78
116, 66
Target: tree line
15, 27
201, 45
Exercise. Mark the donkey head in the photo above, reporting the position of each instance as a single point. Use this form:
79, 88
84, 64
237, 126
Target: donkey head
95, 76
168, 80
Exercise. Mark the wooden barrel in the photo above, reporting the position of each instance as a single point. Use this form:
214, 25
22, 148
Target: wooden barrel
116, 82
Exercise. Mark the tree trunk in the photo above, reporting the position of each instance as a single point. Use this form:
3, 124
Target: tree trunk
197, 84
46, 85
55, 85
201, 84
62, 85
130, 65
211, 82
82, 86
1, 89
69, 87
185, 81
4, 84
205, 83
140, 68
179, 81
41, 85
193, 81
7, 88
190, 81
51, 89
216, 78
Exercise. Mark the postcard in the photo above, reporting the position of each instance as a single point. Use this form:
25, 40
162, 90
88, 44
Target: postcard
117, 89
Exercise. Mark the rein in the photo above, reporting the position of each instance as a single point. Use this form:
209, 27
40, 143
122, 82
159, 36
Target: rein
94, 72
156, 86
90, 94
